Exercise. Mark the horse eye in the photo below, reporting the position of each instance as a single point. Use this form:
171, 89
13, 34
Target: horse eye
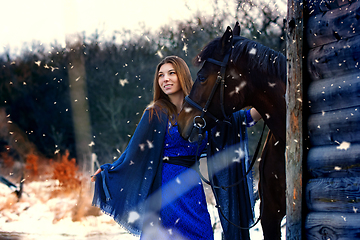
201, 78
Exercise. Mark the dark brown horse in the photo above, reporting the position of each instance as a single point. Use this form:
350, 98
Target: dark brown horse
237, 72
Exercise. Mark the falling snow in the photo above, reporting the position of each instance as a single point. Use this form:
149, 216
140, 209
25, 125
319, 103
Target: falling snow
272, 84
133, 216
238, 88
122, 82
344, 146
150, 144
252, 51
188, 109
142, 147
240, 154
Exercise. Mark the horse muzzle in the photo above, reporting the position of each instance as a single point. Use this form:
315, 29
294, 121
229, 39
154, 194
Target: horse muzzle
192, 130
197, 131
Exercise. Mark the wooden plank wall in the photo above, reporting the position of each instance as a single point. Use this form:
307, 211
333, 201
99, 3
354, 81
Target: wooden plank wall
332, 193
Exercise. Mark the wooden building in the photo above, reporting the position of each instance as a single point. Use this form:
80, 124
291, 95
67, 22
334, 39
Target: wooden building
323, 119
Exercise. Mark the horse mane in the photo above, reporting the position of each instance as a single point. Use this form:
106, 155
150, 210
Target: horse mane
258, 56
206, 52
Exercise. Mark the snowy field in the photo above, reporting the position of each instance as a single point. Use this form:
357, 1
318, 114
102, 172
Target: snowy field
45, 213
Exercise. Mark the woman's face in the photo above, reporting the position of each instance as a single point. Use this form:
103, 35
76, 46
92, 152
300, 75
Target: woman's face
168, 80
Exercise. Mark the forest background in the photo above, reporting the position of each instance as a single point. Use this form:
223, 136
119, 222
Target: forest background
85, 99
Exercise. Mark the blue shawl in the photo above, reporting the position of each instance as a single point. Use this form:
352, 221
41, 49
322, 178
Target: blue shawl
123, 188
228, 160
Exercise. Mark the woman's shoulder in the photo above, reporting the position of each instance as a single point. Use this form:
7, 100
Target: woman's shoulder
154, 112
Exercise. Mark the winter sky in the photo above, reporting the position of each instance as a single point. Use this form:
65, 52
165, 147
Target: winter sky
47, 20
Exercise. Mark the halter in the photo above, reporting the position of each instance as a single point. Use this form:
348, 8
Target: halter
204, 110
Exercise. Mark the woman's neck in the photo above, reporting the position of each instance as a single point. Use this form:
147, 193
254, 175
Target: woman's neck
177, 100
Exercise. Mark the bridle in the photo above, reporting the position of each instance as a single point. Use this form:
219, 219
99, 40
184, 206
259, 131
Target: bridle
220, 80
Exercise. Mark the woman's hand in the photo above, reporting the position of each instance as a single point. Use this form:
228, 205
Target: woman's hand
93, 177
255, 114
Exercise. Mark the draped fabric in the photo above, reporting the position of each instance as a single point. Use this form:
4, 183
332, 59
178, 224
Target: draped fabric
123, 188
130, 189
228, 160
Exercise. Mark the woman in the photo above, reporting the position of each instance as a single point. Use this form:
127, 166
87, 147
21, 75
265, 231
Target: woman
152, 189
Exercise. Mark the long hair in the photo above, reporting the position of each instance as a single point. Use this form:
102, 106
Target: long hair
161, 101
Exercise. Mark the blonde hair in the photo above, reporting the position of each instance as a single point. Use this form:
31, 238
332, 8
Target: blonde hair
161, 101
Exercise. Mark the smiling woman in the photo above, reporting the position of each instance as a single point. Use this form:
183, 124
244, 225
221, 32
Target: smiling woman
153, 189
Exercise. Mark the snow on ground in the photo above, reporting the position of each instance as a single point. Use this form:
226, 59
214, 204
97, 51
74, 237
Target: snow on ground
45, 213
39, 215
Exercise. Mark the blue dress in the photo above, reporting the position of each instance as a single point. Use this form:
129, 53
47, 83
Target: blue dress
187, 215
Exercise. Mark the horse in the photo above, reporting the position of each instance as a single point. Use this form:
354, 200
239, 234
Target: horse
235, 73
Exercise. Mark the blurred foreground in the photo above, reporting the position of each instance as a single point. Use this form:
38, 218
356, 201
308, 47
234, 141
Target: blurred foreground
46, 212
57, 204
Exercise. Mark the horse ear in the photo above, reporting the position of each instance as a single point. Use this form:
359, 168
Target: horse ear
226, 40
237, 29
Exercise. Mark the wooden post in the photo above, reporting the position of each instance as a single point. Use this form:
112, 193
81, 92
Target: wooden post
294, 121
79, 104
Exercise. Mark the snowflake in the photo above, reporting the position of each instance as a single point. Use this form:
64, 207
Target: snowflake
150, 144
253, 51
240, 153
272, 84
344, 146
238, 88
122, 82
133, 216
188, 109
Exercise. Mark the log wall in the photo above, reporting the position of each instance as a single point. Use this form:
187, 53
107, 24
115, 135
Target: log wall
332, 192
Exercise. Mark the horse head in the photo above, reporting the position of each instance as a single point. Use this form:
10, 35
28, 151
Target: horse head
235, 73
214, 95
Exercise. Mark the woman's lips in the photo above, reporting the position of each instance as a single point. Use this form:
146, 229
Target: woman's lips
167, 86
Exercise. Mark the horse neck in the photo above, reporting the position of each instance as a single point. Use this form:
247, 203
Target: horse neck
275, 119
270, 103
265, 75
268, 99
